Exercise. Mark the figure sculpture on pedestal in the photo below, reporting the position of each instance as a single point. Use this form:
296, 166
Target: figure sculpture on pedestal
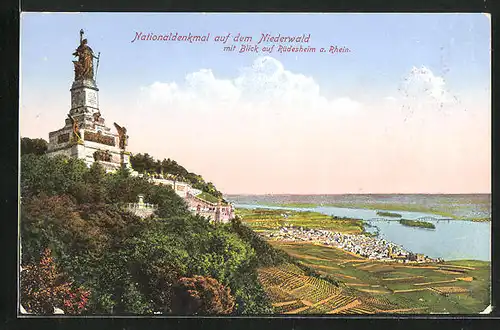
84, 67
122, 134
97, 117
76, 129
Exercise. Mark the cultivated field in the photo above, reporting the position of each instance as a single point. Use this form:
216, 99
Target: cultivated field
262, 219
380, 287
293, 292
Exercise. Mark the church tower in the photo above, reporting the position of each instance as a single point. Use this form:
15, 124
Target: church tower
85, 134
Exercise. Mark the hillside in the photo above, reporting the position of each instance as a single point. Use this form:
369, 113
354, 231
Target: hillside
73, 218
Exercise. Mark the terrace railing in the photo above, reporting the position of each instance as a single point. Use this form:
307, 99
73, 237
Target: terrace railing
142, 206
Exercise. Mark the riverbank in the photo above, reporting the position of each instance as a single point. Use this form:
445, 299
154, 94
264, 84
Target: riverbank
472, 207
386, 207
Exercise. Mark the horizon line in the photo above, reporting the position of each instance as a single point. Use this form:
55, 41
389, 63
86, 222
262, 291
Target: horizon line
339, 194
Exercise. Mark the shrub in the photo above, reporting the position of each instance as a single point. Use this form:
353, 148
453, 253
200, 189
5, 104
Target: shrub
43, 288
201, 295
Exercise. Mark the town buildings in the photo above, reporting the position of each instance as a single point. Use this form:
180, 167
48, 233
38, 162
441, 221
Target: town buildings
362, 245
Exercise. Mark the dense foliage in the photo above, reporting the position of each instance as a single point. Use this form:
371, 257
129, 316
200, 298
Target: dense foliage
268, 255
130, 265
33, 146
203, 296
43, 288
144, 163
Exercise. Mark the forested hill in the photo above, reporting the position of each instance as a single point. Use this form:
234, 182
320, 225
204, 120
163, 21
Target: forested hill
85, 253
142, 163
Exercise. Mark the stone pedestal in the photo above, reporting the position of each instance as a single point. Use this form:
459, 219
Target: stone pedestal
96, 141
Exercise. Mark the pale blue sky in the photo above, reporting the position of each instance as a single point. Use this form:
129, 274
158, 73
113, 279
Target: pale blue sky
384, 47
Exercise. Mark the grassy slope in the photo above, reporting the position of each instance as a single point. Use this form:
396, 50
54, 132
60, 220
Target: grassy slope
207, 197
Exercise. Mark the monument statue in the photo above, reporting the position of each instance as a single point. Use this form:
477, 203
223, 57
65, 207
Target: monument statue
84, 67
76, 128
122, 134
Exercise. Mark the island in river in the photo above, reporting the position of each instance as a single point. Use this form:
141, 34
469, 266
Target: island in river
417, 223
389, 214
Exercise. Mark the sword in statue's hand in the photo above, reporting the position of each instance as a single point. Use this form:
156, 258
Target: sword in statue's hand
97, 65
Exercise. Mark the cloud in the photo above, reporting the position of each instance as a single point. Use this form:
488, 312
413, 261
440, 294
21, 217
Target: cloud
265, 83
265, 115
422, 89
422, 83
198, 86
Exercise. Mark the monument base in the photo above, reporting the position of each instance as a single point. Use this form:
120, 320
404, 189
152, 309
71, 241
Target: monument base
96, 142
86, 153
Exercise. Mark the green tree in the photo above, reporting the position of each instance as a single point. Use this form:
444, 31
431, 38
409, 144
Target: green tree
93, 187
53, 221
169, 203
51, 175
144, 163
122, 188
158, 260
33, 146
222, 255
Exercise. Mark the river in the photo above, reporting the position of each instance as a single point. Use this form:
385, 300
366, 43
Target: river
451, 240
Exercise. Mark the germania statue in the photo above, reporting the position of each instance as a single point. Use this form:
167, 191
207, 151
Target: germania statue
84, 67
